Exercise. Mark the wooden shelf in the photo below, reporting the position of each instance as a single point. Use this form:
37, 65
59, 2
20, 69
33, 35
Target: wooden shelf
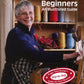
59, 49
70, 23
65, 23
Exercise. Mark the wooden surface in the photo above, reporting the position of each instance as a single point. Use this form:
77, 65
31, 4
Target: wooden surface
82, 81
81, 32
35, 77
81, 10
64, 23
59, 49
79, 71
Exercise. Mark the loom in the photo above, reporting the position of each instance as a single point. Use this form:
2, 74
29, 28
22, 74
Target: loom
78, 35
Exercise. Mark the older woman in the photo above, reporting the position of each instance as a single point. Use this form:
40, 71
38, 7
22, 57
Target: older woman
23, 53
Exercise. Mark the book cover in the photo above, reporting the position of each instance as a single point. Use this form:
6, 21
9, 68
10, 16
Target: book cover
59, 27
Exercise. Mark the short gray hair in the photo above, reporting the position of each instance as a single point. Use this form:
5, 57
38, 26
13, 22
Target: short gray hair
21, 5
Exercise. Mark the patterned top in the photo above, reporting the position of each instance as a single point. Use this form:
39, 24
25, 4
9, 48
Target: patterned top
22, 69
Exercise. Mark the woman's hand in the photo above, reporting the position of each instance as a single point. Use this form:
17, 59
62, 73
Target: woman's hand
70, 56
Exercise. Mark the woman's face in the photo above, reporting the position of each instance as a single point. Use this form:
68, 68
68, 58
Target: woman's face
26, 16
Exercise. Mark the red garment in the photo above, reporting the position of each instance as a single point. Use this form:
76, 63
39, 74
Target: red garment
35, 35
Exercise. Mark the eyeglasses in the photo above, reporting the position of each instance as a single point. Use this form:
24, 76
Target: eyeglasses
25, 13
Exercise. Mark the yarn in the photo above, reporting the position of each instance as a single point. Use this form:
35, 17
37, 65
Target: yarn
37, 12
70, 16
55, 36
61, 40
70, 41
45, 15
53, 15
61, 16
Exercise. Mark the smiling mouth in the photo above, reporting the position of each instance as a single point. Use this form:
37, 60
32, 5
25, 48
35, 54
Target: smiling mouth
27, 20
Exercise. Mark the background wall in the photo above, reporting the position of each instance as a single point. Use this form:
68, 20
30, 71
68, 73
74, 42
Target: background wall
81, 10
80, 13
5, 26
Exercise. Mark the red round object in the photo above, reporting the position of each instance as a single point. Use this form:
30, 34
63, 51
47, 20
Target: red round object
59, 76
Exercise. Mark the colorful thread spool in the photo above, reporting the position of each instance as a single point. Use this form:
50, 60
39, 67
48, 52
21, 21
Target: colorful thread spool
53, 15
61, 40
70, 16
45, 15
70, 41
37, 12
55, 36
61, 16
